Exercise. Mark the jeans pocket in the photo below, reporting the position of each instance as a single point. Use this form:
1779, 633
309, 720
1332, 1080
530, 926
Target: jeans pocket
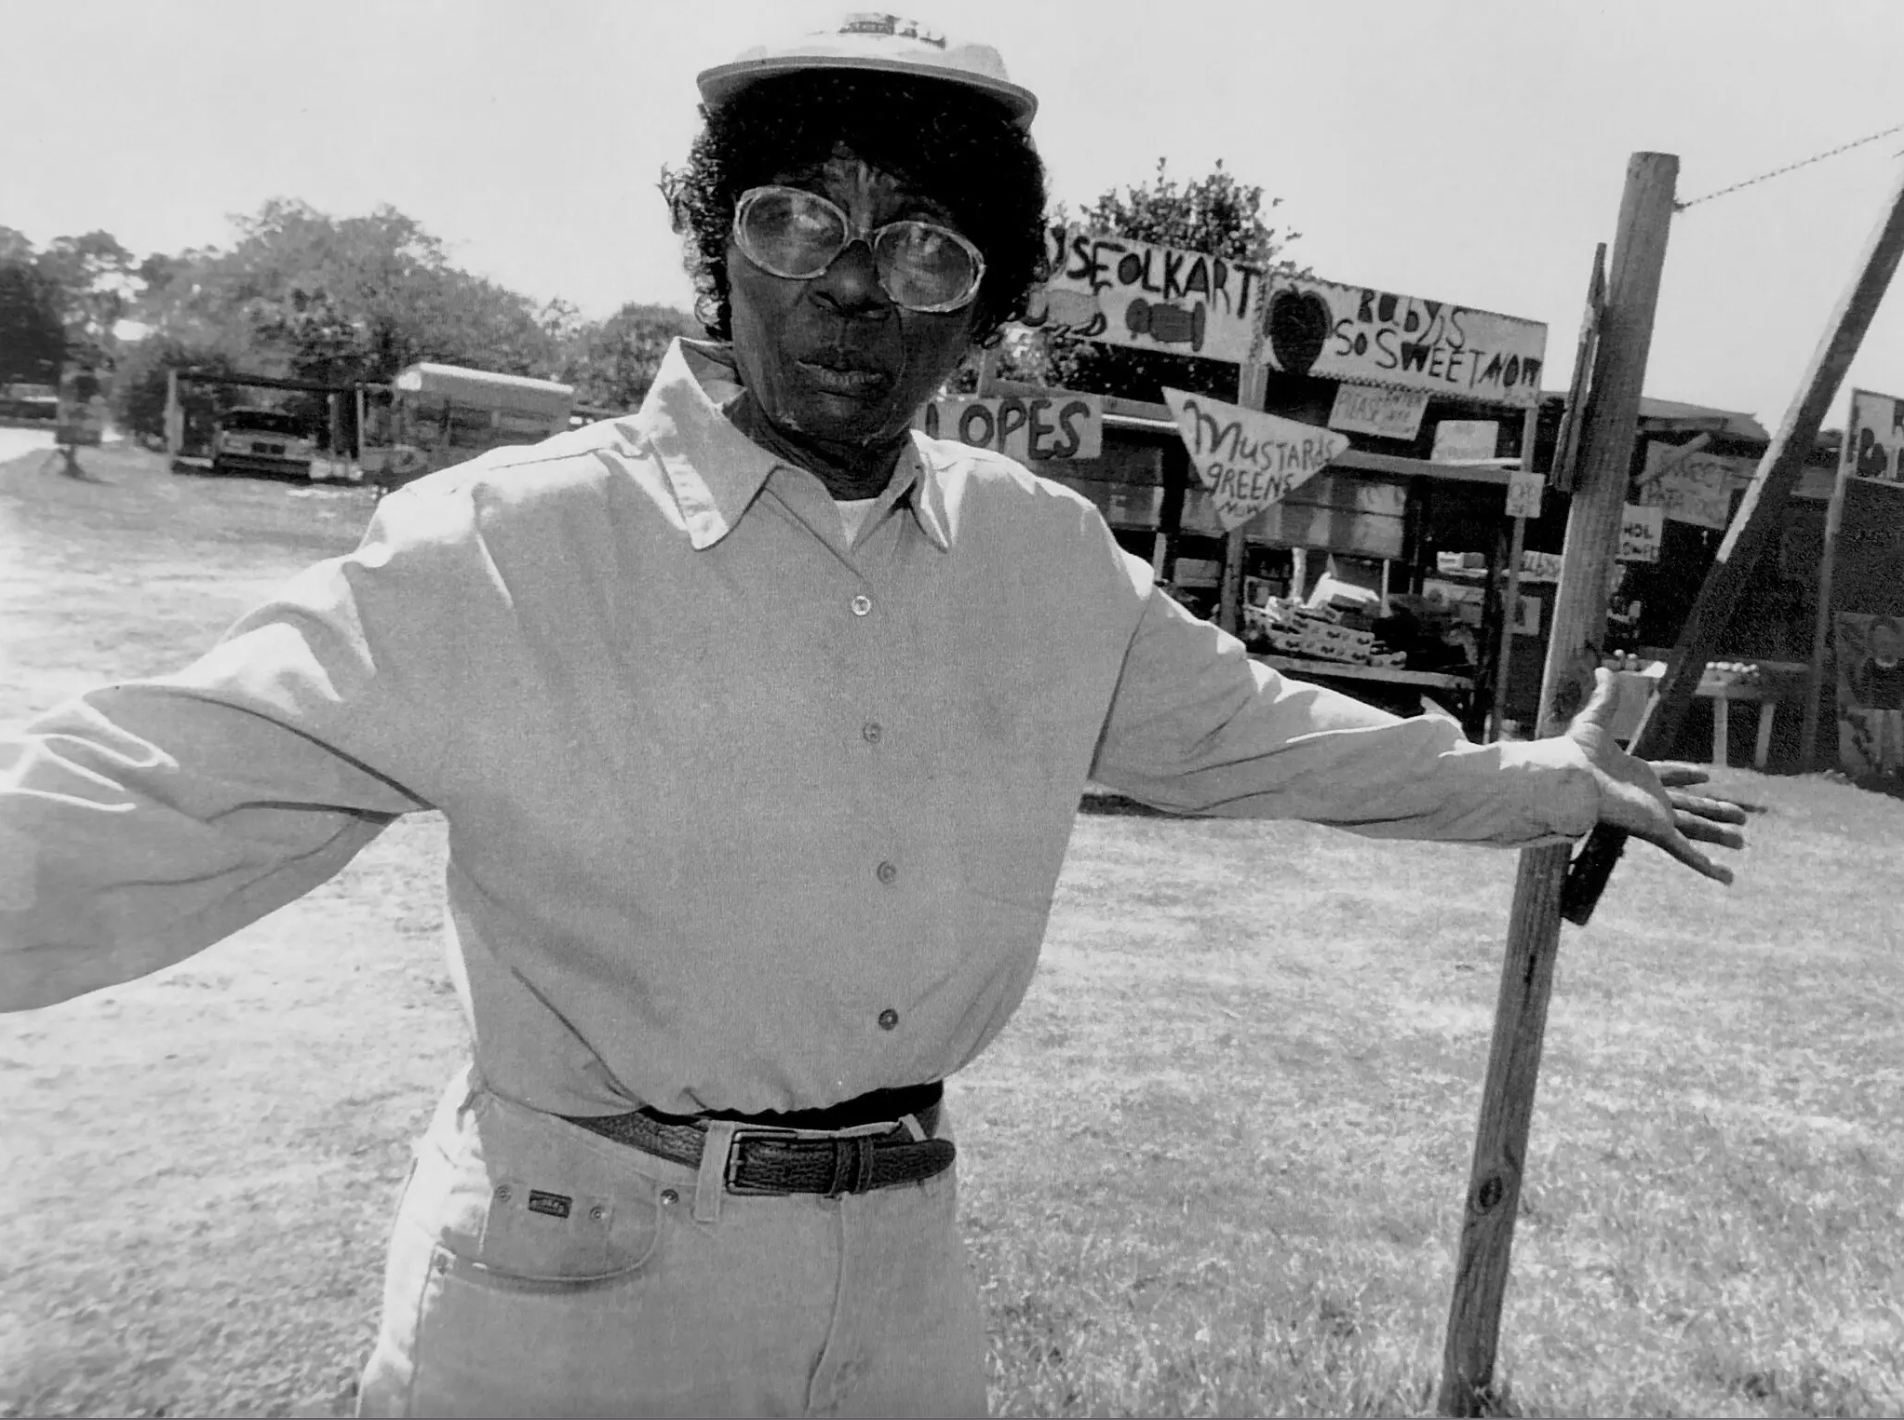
519, 1198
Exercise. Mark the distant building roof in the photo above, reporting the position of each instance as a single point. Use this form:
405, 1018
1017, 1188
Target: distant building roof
486, 387
1668, 415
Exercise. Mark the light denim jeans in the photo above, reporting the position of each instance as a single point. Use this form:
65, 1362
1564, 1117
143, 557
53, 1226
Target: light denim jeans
538, 1269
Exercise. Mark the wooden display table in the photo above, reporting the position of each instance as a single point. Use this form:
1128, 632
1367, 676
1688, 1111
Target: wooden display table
1318, 669
1767, 694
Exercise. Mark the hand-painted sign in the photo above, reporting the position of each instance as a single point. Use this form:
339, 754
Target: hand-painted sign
1692, 487
1874, 444
1640, 532
1465, 440
1376, 337
1870, 694
1246, 458
1053, 424
1376, 409
1523, 493
1126, 292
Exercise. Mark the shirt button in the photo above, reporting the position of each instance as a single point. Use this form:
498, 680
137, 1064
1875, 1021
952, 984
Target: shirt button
862, 604
888, 1018
870, 732
887, 872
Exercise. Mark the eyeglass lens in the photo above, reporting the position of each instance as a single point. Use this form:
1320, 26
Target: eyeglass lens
796, 234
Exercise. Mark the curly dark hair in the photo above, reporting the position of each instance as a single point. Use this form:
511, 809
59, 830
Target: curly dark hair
961, 148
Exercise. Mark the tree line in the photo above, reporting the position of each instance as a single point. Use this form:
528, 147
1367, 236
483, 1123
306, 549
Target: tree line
300, 294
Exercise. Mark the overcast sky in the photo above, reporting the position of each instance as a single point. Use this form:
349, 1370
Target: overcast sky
1462, 150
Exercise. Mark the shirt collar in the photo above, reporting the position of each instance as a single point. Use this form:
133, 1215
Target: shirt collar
716, 472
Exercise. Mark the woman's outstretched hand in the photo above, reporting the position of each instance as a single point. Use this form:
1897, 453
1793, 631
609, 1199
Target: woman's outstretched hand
1649, 800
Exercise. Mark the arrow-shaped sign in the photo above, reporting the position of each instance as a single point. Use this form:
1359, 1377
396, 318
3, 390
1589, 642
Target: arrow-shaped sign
1246, 458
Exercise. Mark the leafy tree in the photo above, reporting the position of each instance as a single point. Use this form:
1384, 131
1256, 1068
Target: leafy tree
612, 363
95, 278
342, 299
1214, 214
305, 295
32, 332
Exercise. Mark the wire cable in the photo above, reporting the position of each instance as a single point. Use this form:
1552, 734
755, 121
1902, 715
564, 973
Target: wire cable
1791, 167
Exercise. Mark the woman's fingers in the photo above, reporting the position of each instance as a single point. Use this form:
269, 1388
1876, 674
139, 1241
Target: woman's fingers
1675, 774
1718, 810
1706, 831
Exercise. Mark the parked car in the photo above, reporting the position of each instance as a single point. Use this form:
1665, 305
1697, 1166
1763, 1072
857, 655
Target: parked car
262, 441
29, 401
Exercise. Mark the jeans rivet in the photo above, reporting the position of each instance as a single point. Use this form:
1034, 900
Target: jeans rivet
669, 1197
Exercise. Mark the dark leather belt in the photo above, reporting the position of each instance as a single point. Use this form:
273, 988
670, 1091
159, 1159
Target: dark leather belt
765, 1159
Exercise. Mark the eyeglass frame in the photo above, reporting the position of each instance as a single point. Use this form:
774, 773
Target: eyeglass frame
860, 233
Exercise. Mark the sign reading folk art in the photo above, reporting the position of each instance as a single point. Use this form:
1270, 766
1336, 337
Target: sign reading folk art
1246, 458
1117, 289
1874, 444
1126, 292
1378, 337
1052, 424
1692, 487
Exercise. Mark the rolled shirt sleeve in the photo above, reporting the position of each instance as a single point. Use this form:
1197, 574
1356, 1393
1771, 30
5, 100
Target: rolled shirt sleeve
143, 821
1198, 727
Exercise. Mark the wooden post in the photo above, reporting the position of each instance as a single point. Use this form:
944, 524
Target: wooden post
1251, 382
1778, 474
1821, 621
987, 371
1511, 596
1579, 623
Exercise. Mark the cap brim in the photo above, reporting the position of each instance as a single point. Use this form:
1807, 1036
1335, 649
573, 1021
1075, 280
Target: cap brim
723, 81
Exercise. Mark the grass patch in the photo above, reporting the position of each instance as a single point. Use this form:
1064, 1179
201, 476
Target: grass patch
1215, 1165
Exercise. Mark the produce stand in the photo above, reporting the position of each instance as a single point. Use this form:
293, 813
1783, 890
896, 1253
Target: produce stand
1369, 508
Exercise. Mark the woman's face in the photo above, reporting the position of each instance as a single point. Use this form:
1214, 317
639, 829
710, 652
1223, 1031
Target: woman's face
831, 360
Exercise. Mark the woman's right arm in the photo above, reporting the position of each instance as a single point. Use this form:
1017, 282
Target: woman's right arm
143, 821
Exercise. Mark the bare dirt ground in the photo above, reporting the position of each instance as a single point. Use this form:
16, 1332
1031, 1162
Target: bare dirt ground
207, 1154
1215, 1166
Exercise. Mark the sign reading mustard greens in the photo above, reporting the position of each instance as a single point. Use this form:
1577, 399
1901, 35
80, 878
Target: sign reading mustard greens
1248, 459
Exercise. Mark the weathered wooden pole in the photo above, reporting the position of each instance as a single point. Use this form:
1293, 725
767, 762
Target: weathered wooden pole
1252, 383
1821, 617
1579, 624
1765, 497
1511, 594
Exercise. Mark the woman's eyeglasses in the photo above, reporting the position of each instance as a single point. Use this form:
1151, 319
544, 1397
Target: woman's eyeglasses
797, 234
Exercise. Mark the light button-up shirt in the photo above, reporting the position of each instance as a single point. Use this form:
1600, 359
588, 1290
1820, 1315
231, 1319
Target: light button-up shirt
741, 815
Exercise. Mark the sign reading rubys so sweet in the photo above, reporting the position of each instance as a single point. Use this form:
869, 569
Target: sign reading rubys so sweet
1126, 292
1246, 458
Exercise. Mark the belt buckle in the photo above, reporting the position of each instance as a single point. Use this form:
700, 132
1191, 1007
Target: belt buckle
730, 1170
854, 1178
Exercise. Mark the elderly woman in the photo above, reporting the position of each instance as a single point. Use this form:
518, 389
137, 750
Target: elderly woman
759, 723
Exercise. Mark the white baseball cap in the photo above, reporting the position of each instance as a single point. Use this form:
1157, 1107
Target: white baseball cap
871, 39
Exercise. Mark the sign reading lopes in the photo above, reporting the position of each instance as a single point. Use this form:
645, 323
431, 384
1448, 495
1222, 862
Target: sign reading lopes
1053, 424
